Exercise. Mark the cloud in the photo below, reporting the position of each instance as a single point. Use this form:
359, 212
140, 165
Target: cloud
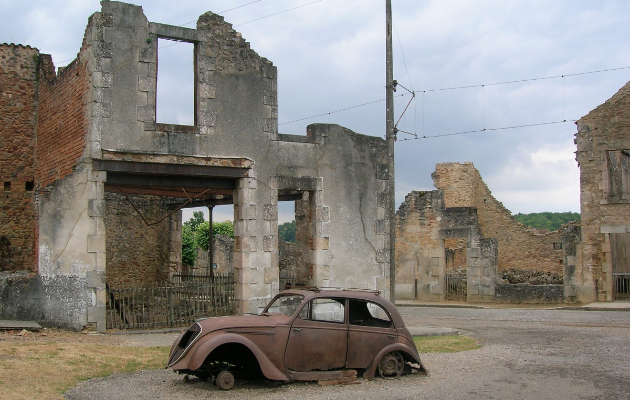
330, 56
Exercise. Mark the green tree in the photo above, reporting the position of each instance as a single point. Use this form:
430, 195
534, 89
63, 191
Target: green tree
189, 249
547, 220
218, 228
223, 228
286, 231
196, 220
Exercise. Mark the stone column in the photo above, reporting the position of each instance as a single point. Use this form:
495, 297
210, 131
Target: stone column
483, 266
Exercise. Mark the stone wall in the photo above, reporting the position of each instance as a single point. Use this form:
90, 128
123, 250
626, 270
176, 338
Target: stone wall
223, 256
18, 107
519, 247
461, 230
603, 145
137, 252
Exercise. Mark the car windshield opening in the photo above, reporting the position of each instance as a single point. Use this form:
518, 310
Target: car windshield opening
284, 304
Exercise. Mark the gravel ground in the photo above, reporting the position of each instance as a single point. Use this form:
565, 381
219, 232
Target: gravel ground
526, 355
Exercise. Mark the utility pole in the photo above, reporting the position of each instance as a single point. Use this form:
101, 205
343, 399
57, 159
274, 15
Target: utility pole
391, 138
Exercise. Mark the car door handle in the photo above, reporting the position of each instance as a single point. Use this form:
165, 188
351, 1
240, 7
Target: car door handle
297, 329
391, 336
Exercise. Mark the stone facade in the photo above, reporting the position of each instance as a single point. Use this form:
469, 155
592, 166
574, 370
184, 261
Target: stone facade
89, 131
460, 229
603, 151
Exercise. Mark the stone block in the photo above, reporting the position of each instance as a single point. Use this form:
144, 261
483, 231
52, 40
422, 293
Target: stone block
270, 243
146, 84
96, 243
438, 289
271, 275
96, 208
323, 214
270, 212
473, 252
95, 279
207, 91
96, 314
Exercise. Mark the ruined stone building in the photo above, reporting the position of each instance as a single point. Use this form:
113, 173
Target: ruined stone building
602, 270
460, 229
84, 163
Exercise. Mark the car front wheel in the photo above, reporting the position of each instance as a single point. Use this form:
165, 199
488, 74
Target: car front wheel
391, 365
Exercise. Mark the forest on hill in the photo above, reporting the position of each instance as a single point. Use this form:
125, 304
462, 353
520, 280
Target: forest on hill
547, 220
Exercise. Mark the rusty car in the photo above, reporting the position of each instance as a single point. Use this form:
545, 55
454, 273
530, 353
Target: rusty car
310, 334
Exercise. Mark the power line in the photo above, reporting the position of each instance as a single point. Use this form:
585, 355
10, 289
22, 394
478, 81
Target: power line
463, 87
223, 12
491, 129
280, 12
524, 80
336, 111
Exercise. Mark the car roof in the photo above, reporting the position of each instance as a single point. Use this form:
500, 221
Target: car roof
359, 294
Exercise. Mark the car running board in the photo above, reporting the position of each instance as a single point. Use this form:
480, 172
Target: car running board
324, 375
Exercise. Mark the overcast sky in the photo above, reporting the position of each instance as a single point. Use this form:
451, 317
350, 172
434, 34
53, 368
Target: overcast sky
331, 55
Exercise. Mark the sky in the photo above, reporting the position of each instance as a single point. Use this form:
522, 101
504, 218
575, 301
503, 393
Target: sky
456, 55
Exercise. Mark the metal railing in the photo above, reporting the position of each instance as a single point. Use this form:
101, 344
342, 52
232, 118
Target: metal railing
456, 287
169, 304
621, 283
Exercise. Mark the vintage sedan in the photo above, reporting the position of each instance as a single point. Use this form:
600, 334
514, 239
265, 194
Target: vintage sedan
302, 335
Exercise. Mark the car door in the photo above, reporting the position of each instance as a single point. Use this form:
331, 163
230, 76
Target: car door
319, 336
370, 328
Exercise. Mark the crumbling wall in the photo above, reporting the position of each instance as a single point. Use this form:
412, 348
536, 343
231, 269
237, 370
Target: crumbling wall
62, 120
137, 252
519, 247
603, 145
420, 255
18, 107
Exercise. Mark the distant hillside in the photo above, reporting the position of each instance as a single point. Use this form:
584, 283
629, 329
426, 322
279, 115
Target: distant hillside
547, 220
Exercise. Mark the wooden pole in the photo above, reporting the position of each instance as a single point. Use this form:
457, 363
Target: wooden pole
391, 138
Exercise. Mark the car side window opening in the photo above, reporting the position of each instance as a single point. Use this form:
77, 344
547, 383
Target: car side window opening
366, 313
286, 305
324, 310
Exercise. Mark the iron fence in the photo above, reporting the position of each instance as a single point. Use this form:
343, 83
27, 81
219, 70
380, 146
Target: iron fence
456, 287
622, 286
174, 304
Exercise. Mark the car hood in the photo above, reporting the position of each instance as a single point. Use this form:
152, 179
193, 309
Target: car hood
242, 324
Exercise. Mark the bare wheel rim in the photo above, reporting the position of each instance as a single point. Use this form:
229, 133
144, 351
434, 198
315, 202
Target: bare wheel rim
391, 365
225, 380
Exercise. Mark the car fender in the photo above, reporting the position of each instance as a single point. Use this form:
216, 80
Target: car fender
211, 341
371, 370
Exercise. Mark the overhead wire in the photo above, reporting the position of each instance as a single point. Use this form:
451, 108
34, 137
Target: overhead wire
563, 76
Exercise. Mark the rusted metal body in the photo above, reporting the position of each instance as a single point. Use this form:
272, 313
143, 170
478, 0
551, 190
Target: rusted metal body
302, 335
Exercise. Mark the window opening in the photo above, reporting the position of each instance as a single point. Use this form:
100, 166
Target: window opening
324, 310
175, 96
7, 186
366, 313
619, 175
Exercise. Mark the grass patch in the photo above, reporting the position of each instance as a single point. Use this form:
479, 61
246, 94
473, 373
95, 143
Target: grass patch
445, 344
45, 370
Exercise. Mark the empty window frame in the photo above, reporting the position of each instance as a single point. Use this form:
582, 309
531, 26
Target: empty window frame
175, 93
618, 175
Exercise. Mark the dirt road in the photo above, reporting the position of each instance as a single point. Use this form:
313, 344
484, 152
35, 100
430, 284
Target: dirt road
527, 354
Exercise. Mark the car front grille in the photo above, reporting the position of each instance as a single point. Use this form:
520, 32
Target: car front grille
185, 342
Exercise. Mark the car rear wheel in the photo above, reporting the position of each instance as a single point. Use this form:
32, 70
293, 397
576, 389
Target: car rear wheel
391, 365
225, 380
